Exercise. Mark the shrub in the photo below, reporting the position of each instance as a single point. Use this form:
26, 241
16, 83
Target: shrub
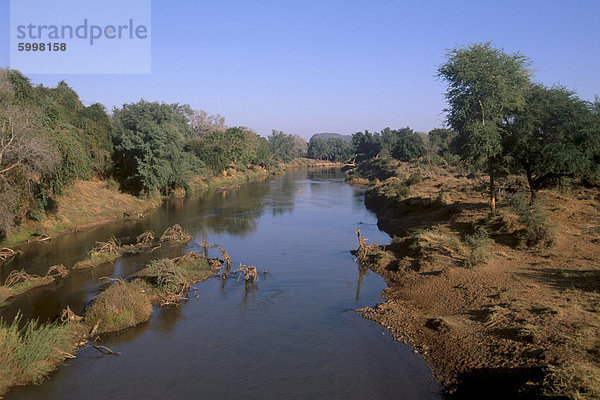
414, 178
479, 242
537, 232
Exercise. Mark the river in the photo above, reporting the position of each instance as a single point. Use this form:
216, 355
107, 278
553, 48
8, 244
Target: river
293, 335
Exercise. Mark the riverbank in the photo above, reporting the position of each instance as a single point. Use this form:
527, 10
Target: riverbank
489, 314
91, 203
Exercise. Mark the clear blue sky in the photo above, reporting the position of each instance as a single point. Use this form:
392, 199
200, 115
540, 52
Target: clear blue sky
336, 66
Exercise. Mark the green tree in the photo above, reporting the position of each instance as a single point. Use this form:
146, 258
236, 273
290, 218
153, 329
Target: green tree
485, 86
442, 140
367, 145
282, 146
318, 149
149, 147
408, 145
554, 135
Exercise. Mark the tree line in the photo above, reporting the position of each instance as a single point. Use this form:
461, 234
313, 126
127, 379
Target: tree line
499, 120
48, 139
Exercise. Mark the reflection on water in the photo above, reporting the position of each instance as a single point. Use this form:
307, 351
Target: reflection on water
292, 335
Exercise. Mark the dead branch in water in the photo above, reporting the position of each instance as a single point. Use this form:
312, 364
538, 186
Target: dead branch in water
175, 234
250, 273
69, 316
6, 254
106, 350
58, 270
95, 328
226, 257
111, 246
364, 249
15, 277
145, 239
119, 281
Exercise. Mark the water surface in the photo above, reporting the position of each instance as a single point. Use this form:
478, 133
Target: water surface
293, 335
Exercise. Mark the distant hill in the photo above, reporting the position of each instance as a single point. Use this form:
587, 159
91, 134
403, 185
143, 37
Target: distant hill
325, 136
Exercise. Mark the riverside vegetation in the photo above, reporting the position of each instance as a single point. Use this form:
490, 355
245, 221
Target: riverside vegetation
29, 350
500, 295
56, 153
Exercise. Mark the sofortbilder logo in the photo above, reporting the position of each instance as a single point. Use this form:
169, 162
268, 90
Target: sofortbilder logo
83, 36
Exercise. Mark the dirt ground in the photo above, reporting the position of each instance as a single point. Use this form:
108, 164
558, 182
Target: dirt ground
522, 323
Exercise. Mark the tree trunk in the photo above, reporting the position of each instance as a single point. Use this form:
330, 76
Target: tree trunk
531, 186
492, 188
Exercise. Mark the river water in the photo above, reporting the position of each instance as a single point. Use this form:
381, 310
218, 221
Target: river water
293, 335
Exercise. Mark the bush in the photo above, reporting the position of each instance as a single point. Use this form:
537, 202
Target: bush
414, 178
537, 232
479, 242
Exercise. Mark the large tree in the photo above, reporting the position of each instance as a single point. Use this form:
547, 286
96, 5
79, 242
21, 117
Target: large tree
282, 146
554, 135
149, 147
485, 86
408, 145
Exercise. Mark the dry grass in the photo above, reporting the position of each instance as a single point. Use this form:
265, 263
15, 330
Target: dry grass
120, 306
169, 281
577, 381
86, 204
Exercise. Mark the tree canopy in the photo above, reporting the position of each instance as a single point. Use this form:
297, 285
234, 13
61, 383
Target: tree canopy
485, 87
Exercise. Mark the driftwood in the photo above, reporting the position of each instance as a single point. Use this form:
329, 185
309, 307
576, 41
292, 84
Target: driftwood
119, 281
364, 249
106, 350
6, 254
111, 246
95, 328
206, 246
58, 271
15, 277
69, 316
145, 239
226, 257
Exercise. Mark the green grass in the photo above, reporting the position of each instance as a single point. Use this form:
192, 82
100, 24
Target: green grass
171, 277
96, 259
28, 354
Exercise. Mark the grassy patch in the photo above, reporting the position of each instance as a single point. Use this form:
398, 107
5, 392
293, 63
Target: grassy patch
120, 306
171, 279
95, 260
102, 253
28, 354
578, 381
